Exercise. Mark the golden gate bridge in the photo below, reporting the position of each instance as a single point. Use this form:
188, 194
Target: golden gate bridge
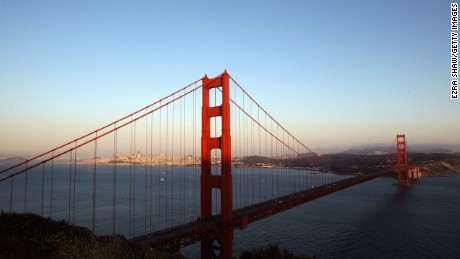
162, 179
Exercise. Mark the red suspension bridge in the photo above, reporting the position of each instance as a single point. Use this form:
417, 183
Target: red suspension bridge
162, 179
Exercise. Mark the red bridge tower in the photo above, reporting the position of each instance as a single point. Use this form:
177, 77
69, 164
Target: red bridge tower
224, 180
401, 160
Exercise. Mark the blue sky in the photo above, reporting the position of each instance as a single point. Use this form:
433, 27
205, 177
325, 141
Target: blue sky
335, 73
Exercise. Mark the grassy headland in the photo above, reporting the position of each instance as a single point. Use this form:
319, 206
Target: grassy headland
31, 236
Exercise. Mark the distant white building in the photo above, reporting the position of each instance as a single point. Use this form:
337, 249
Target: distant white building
414, 172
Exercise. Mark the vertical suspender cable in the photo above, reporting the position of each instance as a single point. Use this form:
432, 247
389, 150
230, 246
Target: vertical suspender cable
151, 173
283, 178
246, 151
180, 161
310, 184
260, 178
25, 188
172, 165
114, 180
291, 172
166, 176
234, 150
298, 182
74, 183
194, 153
134, 177
159, 172
52, 185
70, 184
94, 184
243, 156
266, 155
240, 136
145, 173
301, 172
296, 172
233, 129
278, 159
290, 156
11, 193
242, 145
287, 154
286, 170
131, 182
252, 154
43, 190
271, 155
183, 162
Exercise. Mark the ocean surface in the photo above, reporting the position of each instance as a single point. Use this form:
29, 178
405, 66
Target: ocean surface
376, 219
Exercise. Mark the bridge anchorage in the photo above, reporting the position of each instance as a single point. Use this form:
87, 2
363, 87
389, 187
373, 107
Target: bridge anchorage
260, 170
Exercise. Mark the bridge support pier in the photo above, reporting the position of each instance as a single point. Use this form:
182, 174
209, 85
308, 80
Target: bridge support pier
210, 181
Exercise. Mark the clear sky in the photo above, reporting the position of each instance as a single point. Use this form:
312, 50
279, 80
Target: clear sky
335, 73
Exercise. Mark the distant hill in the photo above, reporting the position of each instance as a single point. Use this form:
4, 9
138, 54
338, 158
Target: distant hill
390, 150
430, 163
368, 151
16, 159
436, 150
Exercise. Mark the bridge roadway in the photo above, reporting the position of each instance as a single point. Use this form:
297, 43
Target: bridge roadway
186, 234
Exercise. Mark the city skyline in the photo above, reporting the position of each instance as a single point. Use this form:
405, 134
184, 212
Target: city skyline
336, 75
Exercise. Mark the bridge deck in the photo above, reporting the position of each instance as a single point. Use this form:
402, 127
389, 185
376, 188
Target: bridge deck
190, 233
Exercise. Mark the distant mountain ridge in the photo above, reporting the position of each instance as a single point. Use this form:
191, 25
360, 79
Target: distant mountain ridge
368, 151
17, 159
452, 149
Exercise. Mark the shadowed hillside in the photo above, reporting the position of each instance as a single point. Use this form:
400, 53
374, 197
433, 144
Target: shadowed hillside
431, 164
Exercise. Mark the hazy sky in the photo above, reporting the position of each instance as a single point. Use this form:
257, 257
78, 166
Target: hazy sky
335, 73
